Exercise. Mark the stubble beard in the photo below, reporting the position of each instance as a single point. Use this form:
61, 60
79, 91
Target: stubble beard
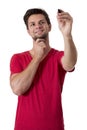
44, 36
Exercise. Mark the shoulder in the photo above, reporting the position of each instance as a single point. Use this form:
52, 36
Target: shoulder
19, 61
19, 55
57, 53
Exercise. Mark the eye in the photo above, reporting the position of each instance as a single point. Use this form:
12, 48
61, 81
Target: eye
32, 24
41, 22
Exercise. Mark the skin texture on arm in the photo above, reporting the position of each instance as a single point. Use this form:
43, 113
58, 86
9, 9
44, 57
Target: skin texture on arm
70, 53
21, 82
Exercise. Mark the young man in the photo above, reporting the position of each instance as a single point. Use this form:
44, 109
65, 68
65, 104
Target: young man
37, 75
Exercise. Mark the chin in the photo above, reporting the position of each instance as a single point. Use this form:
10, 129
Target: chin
40, 37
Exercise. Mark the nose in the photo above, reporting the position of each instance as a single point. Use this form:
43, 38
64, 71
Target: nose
38, 25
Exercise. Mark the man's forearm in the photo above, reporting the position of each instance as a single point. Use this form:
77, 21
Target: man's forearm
21, 82
70, 53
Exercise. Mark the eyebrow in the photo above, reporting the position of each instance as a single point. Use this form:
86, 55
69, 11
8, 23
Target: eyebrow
42, 20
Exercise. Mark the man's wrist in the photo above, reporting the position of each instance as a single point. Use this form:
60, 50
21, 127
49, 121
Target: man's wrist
36, 60
69, 37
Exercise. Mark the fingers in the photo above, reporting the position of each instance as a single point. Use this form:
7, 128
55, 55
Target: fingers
41, 42
39, 49
64, 16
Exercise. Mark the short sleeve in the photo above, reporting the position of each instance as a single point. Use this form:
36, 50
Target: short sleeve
60, 55
15, 64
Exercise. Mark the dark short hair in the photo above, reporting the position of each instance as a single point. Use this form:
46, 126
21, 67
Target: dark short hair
32, 11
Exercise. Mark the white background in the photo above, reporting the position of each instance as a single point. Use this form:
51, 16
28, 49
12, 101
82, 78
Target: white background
14, 38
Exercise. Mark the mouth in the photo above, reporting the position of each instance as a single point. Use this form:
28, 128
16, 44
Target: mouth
39, 32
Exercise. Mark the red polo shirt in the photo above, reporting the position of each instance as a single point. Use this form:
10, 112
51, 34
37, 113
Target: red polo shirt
40, 107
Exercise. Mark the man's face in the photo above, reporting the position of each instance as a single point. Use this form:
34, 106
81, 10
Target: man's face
38, 26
